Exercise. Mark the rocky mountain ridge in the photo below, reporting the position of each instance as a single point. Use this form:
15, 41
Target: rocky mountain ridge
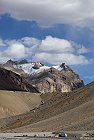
53, 80
44, 78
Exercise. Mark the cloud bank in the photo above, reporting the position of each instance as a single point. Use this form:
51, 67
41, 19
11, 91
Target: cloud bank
50, 50
47, 12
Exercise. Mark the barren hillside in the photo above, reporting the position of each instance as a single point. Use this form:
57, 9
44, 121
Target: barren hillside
67, 111
14, 103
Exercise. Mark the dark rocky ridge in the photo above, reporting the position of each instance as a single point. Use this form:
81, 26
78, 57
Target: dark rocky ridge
13, 81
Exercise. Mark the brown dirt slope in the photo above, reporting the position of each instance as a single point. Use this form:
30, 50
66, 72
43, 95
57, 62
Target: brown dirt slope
14, 103
67, 111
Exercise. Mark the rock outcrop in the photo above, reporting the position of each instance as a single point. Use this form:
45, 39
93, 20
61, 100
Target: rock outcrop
37, 65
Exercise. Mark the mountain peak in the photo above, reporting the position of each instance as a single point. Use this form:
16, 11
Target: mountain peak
10, 63
62, 65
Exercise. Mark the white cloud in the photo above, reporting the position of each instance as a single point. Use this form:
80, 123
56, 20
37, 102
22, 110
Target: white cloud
1, 43
13, 50
16, 50
29, 41
83, 50
56, 59
79, 48
55, 45
51, 50
47, 12
55, 51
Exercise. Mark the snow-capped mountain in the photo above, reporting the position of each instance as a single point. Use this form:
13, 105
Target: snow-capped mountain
36, 67
29, 68
44, 78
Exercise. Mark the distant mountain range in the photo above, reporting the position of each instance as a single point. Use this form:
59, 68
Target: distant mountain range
35, 76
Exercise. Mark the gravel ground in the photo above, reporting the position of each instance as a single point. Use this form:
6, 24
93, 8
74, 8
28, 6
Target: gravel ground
36, 136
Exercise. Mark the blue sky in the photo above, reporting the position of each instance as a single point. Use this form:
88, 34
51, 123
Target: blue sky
50, 31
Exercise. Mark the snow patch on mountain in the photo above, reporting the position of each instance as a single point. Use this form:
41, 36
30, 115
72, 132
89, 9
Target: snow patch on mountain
57, 67
37, 67
28, 68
